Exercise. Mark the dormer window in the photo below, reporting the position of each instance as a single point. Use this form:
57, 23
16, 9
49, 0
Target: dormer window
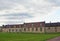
19, 25
14, 26
40, 24
9, 26
24, 25
32, 24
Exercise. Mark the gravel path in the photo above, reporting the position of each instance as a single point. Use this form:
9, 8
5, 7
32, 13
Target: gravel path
55, 39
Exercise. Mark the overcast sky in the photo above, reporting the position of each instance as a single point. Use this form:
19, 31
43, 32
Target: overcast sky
20, 11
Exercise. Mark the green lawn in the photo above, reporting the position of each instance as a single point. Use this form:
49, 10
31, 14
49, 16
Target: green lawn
26, 36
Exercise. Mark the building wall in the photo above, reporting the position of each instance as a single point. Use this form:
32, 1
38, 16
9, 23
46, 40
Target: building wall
38, 27
34, 29
52, 29
4, 29
58, 29
11, 30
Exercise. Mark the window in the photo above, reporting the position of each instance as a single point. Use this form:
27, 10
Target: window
36, 29
9, 30
19, 25
9, 26
28, 29
55, 29
32, 24
20, 30
40, 24
48, 27
40, 28
16, 30
24, 29
12, 30
14, 26
32, 29
24, 25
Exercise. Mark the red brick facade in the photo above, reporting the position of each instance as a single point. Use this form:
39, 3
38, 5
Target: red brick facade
37, 27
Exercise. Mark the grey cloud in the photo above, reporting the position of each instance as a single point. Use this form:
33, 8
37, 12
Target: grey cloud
37, 7
56, 2
10, 4
14, 22
6, 4
17, 16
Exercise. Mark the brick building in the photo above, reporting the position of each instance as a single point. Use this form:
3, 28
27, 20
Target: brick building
52, 27
36, 27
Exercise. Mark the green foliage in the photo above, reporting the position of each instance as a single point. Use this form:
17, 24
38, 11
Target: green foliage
27, 36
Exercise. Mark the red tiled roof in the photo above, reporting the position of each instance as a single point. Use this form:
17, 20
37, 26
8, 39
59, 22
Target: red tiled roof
35, 24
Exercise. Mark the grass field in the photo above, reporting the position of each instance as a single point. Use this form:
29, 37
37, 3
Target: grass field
26, 36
